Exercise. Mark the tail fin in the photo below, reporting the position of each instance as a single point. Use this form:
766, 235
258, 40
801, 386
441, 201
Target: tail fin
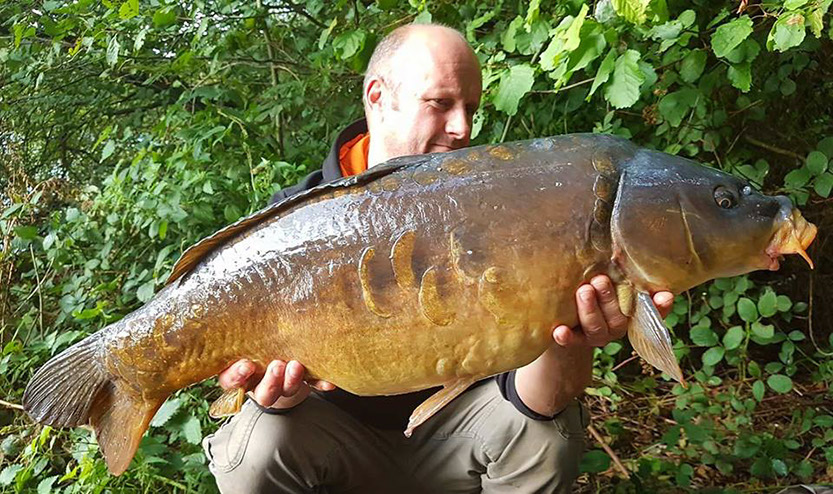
73, 389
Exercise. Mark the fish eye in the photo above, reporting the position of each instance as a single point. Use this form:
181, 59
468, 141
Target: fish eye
725, 198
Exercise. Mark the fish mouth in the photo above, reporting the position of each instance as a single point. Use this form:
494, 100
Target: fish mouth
793, 237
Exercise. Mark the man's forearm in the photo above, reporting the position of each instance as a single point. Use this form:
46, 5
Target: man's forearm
548, 384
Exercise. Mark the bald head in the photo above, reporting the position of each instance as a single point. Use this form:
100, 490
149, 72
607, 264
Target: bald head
421, 90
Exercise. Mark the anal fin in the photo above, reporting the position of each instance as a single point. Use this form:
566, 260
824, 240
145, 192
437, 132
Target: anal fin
650, 338
120, 419
228, 404
436, 402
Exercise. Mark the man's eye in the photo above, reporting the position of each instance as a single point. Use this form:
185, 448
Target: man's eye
441, 102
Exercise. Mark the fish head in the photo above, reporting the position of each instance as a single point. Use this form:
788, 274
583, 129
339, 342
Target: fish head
676, 224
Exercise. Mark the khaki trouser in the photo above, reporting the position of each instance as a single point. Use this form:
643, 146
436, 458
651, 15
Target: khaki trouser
477, 443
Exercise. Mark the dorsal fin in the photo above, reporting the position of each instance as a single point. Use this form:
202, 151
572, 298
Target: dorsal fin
197, 252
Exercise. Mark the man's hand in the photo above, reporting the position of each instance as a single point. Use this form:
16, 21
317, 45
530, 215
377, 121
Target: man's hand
282, 385
599, 315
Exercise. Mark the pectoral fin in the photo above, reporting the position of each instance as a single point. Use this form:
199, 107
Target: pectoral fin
436, 402
650, 338
228, 404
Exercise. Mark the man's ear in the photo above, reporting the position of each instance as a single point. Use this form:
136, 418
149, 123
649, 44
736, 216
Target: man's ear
373, 93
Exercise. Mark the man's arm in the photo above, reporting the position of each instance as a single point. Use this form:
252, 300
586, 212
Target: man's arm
560, 374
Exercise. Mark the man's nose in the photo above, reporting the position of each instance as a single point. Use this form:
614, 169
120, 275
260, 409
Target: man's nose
458, 125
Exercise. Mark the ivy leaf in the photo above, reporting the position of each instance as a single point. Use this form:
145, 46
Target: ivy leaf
192, 430
747, 310
623, 89
165, 412
787, 32
824, 184
514, 84
693, 65
733, 337
729, 35
758, 390
740, 75
816, 162
780, 383
713, 356
603, 73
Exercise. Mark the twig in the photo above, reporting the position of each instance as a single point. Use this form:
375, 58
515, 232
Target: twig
810, 320
624, 363
565, 88
774, 149
506, 128
613, 456
11, 405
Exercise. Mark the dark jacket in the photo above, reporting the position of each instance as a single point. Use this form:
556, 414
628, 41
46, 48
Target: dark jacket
384, 412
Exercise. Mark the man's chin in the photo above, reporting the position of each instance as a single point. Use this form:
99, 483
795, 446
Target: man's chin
441, 148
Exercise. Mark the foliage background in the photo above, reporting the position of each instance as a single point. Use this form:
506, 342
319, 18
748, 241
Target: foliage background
130, 129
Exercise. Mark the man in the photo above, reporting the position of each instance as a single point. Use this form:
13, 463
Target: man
522, 431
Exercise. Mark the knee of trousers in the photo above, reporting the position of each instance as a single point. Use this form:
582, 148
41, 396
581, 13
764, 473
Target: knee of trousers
531, 447
256, 445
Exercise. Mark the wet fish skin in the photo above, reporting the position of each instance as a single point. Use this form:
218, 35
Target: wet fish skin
429, 270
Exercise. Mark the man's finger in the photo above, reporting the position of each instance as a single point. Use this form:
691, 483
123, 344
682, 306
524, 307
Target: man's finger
321, 385
567, 336
293, 377
664, 302
270, 388
590, 315
617, 323
236, 375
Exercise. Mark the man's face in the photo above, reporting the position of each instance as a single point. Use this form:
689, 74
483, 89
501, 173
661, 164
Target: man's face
430, 105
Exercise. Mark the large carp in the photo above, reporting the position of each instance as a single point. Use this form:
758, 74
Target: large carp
427, 270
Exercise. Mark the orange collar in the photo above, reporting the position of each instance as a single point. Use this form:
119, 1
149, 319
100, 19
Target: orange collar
352, 157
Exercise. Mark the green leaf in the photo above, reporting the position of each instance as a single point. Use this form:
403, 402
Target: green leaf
129, 9
603, 74
787, 32
107, 150
145, 291
823, 184
693, 65
780, 383
783, 303
768, 304
703, 336
779, 467
758, 390
794, 4
797, 178
824, 421
192, 430
348, 44
633, 11
728, 36
764, 331
45, 485
826, 147
623, 89
27, 232
815, 20
816, 162
713, 355
113, 51
164, 17
166, 411
9, 473
754, 369
747, 310
675, 106
508, 36
594, 461
571, 36
514, 84
740, 75
733, 337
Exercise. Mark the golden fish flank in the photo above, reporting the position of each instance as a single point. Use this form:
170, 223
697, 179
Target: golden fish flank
425, 271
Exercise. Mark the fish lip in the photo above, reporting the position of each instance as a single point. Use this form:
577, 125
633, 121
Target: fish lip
793, 235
